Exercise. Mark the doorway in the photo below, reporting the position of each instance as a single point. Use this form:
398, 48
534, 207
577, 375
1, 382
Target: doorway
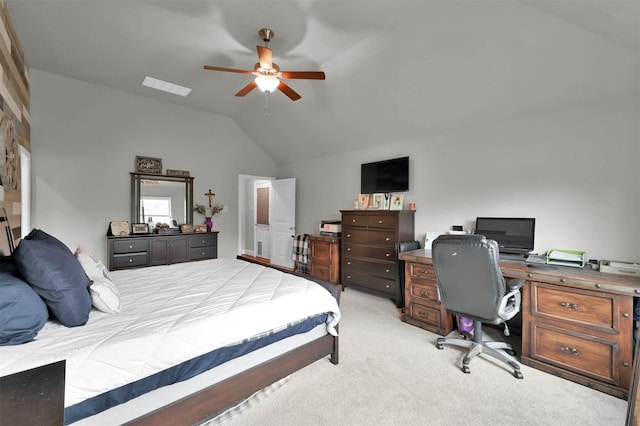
266, 235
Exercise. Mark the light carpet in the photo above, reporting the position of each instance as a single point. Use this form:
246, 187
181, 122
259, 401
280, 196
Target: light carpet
391, 373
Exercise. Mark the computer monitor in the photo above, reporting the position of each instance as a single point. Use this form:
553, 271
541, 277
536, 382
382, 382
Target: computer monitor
513, 235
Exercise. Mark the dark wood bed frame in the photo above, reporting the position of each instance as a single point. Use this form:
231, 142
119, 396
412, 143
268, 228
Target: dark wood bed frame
213, 400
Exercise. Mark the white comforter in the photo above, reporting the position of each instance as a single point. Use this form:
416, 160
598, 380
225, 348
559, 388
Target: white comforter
170, 314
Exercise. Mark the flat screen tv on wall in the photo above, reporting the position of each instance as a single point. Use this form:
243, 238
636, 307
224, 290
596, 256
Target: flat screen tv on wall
385, 176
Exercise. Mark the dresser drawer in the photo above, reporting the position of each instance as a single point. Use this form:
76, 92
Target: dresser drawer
202, 240
598, 358
382, 221
384, 269
424, 313
371, 282
373, 252
200, 253
580, 307
423, 292
364, 236
121, 261
129, 245
350, 219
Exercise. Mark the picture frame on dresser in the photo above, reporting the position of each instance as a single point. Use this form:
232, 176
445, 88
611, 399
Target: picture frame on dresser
378, 201
140, 228
118, 228
397, 202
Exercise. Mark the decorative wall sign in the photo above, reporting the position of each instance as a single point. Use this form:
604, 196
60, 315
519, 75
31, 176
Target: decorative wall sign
181, 173
148, 165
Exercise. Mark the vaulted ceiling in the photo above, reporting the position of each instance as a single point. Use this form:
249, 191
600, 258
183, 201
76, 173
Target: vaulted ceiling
394, 69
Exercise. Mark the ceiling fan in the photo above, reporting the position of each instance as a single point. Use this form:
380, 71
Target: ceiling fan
268, 74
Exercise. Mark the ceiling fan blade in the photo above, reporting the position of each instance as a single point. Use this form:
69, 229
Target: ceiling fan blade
265, 56
308, 75
292, 94
246, 89
212, 68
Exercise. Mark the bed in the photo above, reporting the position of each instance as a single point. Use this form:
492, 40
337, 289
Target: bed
195, 338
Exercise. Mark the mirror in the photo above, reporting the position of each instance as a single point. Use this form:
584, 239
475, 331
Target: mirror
161, 198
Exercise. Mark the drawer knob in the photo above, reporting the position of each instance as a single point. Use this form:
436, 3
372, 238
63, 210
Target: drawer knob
424, 293
568, 305
529, 275
130, 260
570, 351
626, 315
348, 263
388, 254
423, 314
598, 285
203, 253
348, 235
563, 280
380, 221
348, 277
202, 241
353, 220
387, 271
349, 249
387, 239
130, 246
637, 291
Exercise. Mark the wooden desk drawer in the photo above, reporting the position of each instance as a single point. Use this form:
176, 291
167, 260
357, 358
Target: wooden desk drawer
385, 269
423, 292
598, 358
424, 313
320, 250
129, 245
581, 307
202, 240
320, 271
373, 252
129, 260
371, 282
382, 221
422, 272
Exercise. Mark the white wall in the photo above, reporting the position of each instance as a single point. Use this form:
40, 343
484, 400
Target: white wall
83, 144
576, 170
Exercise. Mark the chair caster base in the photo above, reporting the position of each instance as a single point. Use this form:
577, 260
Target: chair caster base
466, 369
440, 346
518, 374
511, 352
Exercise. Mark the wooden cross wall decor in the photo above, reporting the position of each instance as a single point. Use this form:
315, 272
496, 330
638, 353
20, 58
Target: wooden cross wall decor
210, 195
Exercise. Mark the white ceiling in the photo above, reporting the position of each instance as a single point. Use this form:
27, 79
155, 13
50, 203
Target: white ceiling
395, 69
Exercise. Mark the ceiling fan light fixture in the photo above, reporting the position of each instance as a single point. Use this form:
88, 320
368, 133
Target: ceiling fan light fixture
267, 83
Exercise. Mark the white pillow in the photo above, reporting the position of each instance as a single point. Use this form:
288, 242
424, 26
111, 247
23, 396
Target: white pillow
91, 265
105, 296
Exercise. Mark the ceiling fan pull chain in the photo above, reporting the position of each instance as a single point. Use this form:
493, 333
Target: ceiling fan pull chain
266, 104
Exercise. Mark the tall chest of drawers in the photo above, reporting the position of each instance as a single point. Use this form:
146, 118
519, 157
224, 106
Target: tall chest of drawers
369, 259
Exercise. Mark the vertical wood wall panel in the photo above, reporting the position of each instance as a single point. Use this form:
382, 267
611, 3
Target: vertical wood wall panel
14, 103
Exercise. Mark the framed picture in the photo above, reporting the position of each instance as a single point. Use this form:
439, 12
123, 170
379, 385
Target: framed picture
148, 165
387, 201
397, 202
186, 228
118, 228
378, 201
201, 227
139, 228
364, 201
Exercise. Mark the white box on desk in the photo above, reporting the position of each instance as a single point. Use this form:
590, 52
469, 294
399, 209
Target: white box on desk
620, 268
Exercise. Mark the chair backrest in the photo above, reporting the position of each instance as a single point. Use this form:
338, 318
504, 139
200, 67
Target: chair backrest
469, 277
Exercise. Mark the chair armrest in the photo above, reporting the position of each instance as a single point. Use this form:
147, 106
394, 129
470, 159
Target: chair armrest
515, 284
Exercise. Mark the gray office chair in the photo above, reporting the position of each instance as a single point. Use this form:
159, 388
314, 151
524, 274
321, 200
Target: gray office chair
471, 285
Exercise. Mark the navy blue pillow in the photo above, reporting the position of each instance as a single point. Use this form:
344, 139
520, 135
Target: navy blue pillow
56, 275
22, 311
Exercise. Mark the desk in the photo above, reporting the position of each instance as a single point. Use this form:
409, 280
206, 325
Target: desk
576, 323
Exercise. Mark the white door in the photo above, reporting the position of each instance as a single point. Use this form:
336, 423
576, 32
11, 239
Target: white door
282, 223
